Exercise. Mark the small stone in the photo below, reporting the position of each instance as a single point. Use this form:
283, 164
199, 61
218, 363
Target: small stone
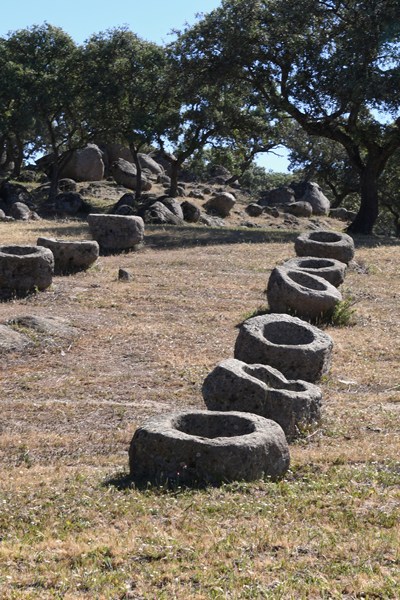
124, 275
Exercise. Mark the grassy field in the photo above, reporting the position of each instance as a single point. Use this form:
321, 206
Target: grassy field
71, 527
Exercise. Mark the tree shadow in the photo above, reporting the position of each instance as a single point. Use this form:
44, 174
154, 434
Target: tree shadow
60, 230
374, 241
173, 236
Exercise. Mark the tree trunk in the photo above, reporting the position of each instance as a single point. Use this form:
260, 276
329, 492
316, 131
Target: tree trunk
139, 186
18, 158
173, 188
369, 206
54, 178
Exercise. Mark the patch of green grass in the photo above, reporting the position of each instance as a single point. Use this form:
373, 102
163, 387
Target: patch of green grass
343, 314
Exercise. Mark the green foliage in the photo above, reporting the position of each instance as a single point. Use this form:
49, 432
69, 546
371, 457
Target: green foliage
331, 66
257, 179
343, 314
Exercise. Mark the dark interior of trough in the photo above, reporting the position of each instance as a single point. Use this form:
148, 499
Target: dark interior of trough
287, 334
307, 281
324, 236
214, 425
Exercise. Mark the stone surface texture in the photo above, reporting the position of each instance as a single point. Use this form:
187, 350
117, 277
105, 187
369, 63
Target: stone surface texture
124, 174
329, 269
207, 447
24, 269
300, 293
254, 210
85, 164
11, 340
159, 214
191, 213
116, 233
314, 196
262, 390
221, 204
47, 326
325, 244
71, 256
297, 349
299, 209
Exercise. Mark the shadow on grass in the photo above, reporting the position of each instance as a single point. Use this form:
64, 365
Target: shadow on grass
61, 230
124, 481
374, 241
170, 237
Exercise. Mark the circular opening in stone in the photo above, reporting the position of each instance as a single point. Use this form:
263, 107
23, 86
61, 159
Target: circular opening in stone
293, 386
307, 281
315, 264
19, 250
283, 333
214, 425
325, 236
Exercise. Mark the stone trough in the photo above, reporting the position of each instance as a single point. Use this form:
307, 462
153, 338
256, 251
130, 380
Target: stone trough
71, 256
302, 294
325, 244
329, 269
116, 233
260, 389
24, 270
296, 348
202, 447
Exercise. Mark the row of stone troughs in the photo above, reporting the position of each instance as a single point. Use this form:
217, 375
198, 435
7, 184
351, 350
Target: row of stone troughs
266, 395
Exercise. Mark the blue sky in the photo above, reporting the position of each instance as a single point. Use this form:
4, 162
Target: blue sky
81, 18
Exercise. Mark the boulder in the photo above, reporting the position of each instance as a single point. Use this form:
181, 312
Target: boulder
67, 185
147, 162
24, 270
19, 211
262, 390
69, 203
124, 209
113, 152
302, 294
164, 179
71, 256
159, 214
12, 340
342, 214
85, 164
14, 192
314, 196
49, 327
126, 200
211, 221
174, 206
329, 269
281, 195
272, 211
221, 204
325, 244
254, 210
124, 174
204, 447
299, 209
116, 233
296, 348
191, 213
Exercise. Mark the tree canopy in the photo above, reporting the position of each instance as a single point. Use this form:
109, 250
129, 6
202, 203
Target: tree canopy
235, 80
333, 66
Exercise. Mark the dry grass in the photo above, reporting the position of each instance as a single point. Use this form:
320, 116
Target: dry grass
69, 408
